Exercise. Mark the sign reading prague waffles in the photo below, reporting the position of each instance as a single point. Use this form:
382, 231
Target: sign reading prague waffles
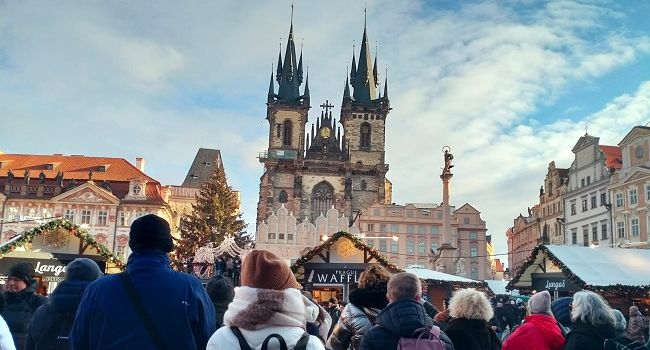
333, 273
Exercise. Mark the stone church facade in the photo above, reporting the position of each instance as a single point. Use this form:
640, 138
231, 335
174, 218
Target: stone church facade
330, 163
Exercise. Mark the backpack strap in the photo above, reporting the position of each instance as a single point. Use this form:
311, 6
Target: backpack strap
283, 344
142, 311
302, 342
243, 344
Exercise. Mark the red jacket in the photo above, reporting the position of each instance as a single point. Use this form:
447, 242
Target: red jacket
538, 332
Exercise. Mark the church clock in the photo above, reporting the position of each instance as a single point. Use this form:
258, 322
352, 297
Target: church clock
325, 132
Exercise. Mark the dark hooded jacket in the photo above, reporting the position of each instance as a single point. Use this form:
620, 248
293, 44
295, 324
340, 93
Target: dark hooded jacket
18, 312
220, 307
357, 318
469, 334
55, 319
399, 320
585, 336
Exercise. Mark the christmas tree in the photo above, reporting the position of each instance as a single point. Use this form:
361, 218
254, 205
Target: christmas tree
214, 216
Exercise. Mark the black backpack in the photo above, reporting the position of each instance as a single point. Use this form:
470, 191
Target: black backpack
243, 344
57, 334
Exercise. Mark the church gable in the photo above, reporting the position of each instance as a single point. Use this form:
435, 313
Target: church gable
638, 174
583, 142
634, 134
87, 193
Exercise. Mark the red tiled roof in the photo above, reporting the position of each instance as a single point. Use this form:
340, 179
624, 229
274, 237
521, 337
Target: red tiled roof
117, 172
613, 156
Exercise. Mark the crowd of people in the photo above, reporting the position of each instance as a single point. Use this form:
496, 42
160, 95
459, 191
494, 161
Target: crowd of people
150, 306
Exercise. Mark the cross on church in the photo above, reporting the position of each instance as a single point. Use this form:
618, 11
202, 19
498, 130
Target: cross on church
327, 106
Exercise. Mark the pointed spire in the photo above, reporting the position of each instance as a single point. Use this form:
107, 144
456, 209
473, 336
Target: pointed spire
346, 90
291, 71
271, 87
306, 94
279, 72
365, 86
353, 70
375, 74
300, 67
386, 85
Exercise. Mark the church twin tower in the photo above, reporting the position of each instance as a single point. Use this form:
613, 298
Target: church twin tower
338, 164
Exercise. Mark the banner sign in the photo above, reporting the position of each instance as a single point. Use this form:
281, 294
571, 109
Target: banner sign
53, 269
333, 273
552, 282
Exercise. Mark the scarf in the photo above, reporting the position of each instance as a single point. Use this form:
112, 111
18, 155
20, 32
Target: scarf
255, 308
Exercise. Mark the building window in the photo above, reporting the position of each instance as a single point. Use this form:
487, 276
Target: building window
124, 218
574, 236
121, 252
322, 199
288, 130
394, 228
422, 248
370, 243
12, 214
466, 221
585, 236
619, 200
371, 227
647, 193
102, 217
582, 182
69, 215
603, 198
603, 229
573, 209
435, 230
620, 228
588, 180
634, 226
382, 245
289, 236
271, 235
472, 235
594, 202
283, 197
85, 217
633, 196
382, 228
365, 136
594, 232
422, 230
410, 246
410, 229
434, 246
281, 236
584, 205
394, 247
474, 273
473, 252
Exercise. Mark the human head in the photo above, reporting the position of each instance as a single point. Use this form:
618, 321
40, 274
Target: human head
634, 309
151, 232
19, 277
333, 301
404, 285
591, 308
263, 269
540, 303
82, 269
220, 289
375, 276
470, 304
562, 310
619, 321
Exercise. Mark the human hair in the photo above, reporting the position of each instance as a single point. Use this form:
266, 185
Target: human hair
404, 285
374, 276
470, 304
591, 308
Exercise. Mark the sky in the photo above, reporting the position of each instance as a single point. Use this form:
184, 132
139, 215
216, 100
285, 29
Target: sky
509, 85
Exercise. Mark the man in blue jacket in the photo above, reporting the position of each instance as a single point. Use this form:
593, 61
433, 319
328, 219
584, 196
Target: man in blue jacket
149, 306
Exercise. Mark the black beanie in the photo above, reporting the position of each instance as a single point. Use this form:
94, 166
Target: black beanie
152, 232
82, 269
220, 288
23, 271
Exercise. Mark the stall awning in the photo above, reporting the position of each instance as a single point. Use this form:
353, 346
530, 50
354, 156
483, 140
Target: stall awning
443, 278
600, 268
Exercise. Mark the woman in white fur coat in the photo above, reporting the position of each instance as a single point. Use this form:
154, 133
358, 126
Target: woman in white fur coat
266, 303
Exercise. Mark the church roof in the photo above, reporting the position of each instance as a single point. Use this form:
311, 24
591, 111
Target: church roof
205, 163
613, 156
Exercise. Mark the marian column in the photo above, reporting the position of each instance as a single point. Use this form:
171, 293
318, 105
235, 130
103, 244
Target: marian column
447, 250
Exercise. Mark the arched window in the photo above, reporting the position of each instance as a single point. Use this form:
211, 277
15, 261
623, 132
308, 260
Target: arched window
322, 198
365, 135
286, 137
283, 197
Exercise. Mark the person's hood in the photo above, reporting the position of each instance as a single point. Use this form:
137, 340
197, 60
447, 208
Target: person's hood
67, 296
369, 297
402, 317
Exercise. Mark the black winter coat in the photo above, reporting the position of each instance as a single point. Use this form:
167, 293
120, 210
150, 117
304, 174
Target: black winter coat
220, 307
398, 320
56, 318
469, 334
585, 336
19, 308
357, 318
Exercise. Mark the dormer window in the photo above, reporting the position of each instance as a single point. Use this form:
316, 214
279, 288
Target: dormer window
193, 176
49, 166
137, 189
206, 164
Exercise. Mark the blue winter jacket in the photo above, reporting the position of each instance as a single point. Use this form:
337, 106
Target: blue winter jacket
176, 302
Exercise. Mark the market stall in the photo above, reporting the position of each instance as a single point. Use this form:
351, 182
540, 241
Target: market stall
438, 286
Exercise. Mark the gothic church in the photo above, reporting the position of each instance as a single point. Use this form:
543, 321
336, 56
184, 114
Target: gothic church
335, 163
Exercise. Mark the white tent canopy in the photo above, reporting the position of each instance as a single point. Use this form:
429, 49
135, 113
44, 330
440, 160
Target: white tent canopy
497, 286
427, 274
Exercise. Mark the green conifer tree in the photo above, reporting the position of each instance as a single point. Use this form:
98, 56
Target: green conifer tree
214, 215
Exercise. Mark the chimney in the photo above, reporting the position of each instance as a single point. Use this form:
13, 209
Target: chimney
139, 163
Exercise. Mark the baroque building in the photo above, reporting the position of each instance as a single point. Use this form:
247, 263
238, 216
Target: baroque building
331, 163
551, 204
523, 237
